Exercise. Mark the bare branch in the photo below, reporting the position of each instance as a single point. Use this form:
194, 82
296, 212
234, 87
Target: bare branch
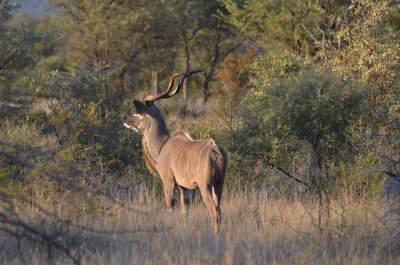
289, 175
309, 33
220, 115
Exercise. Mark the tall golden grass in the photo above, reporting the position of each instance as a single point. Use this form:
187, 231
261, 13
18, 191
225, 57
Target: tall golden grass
257, 229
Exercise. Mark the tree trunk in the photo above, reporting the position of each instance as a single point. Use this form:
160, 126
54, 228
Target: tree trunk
155, 86
187, 64
125, 70
217, 54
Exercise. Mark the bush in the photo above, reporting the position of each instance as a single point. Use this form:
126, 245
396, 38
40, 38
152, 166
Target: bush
82, 143
306, 123
83, 114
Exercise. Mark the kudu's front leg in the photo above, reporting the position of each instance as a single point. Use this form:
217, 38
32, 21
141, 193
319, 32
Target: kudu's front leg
168, 187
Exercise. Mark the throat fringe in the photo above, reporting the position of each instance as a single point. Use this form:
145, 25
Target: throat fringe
151, 163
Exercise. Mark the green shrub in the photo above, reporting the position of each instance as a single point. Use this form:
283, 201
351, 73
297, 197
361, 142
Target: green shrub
306, 121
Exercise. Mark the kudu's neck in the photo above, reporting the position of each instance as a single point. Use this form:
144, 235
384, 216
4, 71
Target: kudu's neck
156, 136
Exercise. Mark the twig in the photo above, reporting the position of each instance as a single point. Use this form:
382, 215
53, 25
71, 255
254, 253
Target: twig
309, 33
220, 115
323, 36
289, 175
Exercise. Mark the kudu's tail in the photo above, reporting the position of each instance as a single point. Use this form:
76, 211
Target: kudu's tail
220, 163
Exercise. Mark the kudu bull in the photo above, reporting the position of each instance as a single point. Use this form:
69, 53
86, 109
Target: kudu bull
176, 158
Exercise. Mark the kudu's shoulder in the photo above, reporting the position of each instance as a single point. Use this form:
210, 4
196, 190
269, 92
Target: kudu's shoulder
183, 137
181, 132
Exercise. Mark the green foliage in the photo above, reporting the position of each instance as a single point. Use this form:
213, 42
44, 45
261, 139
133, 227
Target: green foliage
7, 7
89, 146
308, 122
17, 43
270, 68
139, 38
19, 147
369, 48
279, 25
369, 51
82, 113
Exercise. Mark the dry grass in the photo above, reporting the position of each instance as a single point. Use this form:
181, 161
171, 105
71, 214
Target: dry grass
256, 230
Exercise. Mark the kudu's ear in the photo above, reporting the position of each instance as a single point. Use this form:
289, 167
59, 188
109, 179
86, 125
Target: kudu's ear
140, 107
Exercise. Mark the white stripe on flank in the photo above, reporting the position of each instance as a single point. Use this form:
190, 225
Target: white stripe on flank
180, 156
198, 160
188, 162
177, 153
208, 155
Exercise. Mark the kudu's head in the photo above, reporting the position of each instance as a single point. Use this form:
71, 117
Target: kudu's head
148, 116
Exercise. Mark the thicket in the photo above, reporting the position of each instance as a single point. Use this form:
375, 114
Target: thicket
326, 121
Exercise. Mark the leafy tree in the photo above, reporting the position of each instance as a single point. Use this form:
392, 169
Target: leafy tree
369, 50
139, 39
306, 123
232, 88
356, 39
283, 25
17, 43
82, 115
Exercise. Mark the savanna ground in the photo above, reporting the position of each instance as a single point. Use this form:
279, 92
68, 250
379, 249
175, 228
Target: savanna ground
257, 229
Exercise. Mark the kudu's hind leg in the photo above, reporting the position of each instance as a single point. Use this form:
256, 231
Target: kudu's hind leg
206, 194
185, 194
217, 197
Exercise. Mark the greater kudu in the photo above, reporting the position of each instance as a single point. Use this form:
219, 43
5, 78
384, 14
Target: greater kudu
177, 159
